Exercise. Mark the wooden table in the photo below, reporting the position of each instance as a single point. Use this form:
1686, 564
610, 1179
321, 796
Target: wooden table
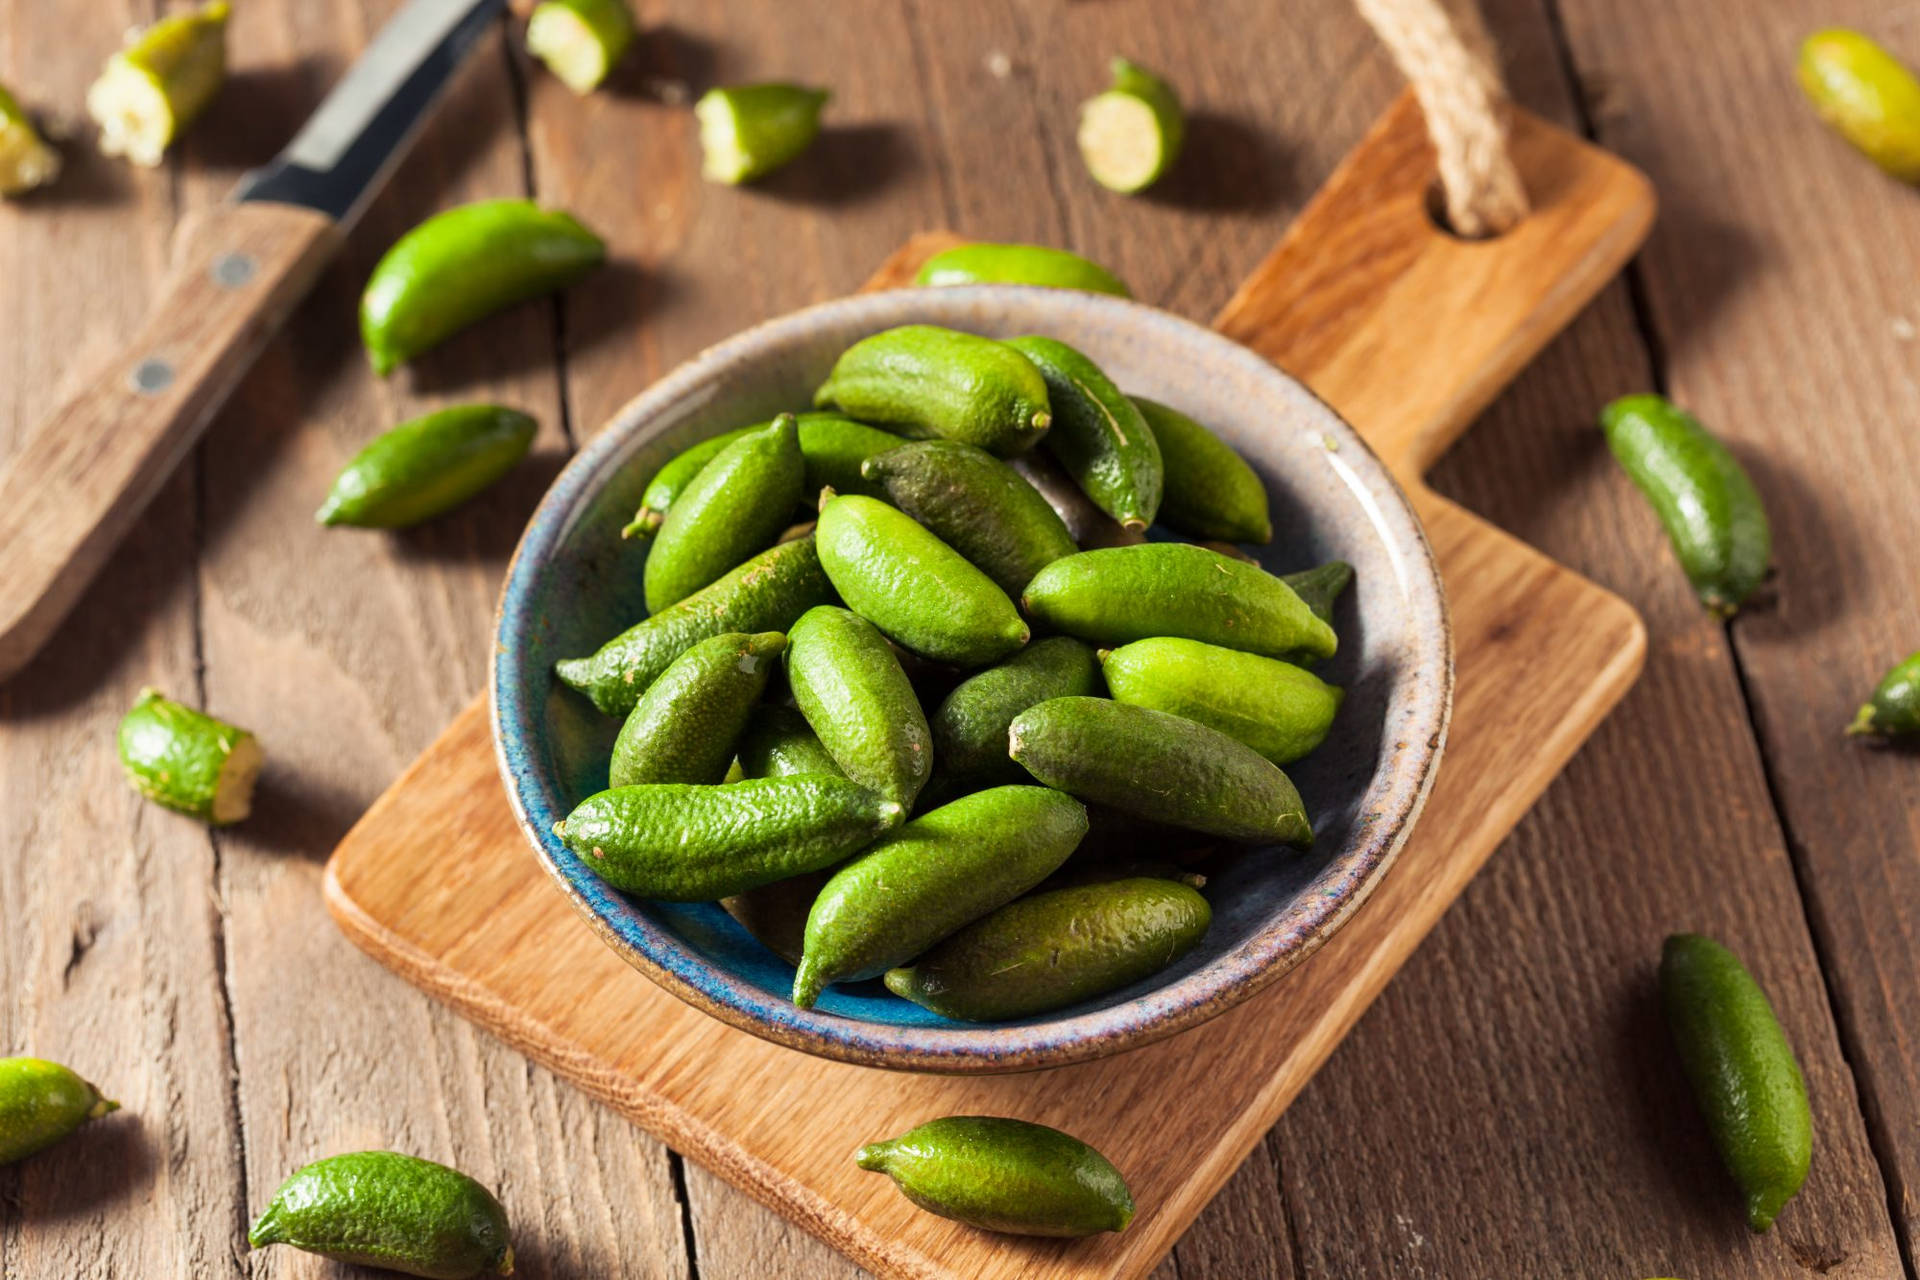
1509, 1108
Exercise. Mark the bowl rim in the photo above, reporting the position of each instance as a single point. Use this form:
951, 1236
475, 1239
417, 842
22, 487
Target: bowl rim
1320, 906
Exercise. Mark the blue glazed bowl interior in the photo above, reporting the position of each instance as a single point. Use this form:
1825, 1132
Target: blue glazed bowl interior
574, 583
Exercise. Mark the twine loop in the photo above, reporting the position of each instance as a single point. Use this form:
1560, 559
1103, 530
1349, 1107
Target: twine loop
1444, 51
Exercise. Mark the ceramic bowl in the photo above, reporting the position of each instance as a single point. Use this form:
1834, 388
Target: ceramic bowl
573, 584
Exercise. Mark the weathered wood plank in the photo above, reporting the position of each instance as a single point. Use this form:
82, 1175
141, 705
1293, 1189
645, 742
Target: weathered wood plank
348, 665
111, 949
1781, 293
1535, 998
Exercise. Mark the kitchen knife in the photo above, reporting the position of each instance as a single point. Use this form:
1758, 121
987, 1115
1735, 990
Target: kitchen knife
85, 475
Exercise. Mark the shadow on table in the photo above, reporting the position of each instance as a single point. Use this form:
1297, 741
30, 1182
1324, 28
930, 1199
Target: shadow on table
298, 815
845, 165
1226, 165
609, 303
108, 1160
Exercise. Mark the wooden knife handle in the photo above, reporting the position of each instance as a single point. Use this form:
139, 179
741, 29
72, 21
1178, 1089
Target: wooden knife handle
86, 474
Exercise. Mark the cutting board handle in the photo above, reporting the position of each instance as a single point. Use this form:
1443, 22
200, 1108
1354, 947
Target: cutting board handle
88, 471
1408, 330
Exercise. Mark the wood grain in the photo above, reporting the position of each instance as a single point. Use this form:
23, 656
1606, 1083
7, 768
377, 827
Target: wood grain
111, 951
1505, 1108
348, 666
1542, 655
1780, 298
84, 475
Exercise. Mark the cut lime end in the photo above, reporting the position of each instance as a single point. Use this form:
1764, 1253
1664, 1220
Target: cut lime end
135, 118
724, 157
570, 48
233, 789
1122, 141
25, 161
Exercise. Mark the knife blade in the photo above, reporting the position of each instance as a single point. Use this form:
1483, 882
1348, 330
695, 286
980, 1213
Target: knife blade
86, 473
343, 154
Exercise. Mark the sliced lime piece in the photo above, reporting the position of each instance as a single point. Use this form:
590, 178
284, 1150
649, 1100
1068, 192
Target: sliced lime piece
1131, 134
159, 84
189, 761
748, 131
580, 40
25, 161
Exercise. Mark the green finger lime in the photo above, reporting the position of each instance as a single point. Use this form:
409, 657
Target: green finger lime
1161, 768
1278, 709
1210, 491
1742, 1071
747, 131
392, 1211
1098, 434
923, 380
580, 40
1019, 264
686, 723
858, 700
1004, 1175
1869, 97
976, 504
159, 84
1703, 496
680, 842
427, 467
189, 761
1131, 134
921, 592
970, 727
672, 479
1893, 712
734, 508
26, 161
41, 1103
1057, 948
944, 869
1120, 594
463, 265
767, 593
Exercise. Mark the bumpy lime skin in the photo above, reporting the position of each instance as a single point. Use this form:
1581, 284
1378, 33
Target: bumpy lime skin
177, 757
389, 1210
1116, 595
1098, 434
946, 868
1058, 948
41, 1103
779, 743
1703, 496
1210, 491
735, 507
1893, 712
970, 726
680, 842
921, 592
1742, 1070
463, 265
984, 263
1160, 767
859, 701
673, 478
926, 381
1005, 1175
428, 466
767, 593
1282, 711
976, 504
686, 723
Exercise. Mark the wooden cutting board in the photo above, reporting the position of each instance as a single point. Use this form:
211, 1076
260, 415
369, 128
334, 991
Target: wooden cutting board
1408, 332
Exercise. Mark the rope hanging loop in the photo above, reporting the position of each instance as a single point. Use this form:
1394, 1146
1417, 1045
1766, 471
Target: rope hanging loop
1444, 51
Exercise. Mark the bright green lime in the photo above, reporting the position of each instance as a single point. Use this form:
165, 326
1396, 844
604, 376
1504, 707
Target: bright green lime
427, 467
1005, 1175
42, 1102
187, 760
392, 1211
